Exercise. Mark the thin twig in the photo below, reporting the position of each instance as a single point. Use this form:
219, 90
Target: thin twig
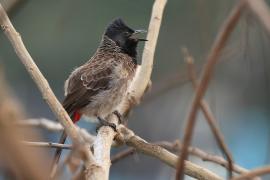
47, 144
260, 10
54, 127
214, 54
11, 5
172, 146
143, 74
253, 173
193, 170
122, 154
176, 147
41, 123
48, 95
209, 116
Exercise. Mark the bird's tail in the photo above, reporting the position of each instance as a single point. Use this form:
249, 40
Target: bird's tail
75, 116
57, 155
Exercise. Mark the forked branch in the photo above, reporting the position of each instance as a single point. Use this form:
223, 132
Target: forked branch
214, 54
165, 156
209, 116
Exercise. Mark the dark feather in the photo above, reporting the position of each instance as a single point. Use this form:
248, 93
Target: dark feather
93, 78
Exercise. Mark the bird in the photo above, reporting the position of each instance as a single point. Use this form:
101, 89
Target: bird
95, 88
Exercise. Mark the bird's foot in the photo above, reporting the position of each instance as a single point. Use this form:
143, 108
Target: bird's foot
121, 119
103, 122
119, 116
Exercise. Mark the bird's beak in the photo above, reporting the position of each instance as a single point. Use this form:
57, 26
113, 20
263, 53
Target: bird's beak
136, 32
139, 31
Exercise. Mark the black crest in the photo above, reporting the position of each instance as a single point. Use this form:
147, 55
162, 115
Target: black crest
121, 34
116, 27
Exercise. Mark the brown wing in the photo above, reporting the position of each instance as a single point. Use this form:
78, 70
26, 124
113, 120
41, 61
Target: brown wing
86, 82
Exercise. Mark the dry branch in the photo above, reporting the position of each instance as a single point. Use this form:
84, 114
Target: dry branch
104, 139
253, 173
165, 156
18, 45
55, 127
48, 95
11, 5
47, 144
260, 10
176, 147
214, 54
41, 123
209, 116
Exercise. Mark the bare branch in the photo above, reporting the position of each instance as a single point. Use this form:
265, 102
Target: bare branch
176, 146
48, 95
47, 144
214, 54
162, 154
12, 5
143, 74
253, 173
209, 116
260, 10
18, 45
41, 123
122, 154
55, 127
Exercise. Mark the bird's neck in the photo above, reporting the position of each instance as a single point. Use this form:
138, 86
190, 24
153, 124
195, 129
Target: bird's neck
108, 45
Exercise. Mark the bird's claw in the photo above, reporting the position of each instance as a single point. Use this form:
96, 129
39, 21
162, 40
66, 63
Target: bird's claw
103, 122
119, 116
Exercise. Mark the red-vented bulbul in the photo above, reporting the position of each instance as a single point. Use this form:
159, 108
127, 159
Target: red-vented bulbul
97, 87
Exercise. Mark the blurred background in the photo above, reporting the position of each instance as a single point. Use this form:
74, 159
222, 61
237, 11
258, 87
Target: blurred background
61, 35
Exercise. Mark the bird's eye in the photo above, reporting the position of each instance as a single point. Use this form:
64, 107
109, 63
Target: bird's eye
126, 33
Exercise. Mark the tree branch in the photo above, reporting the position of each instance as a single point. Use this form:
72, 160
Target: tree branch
214, 54
143, 73
41, 123
18, 45
260, 10
47, 144
209, 116
12, 5
127, 136
122, 154
48, 95
253, 173
176, 146
55, 127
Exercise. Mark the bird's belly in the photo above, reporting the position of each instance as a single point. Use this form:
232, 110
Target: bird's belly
106, 101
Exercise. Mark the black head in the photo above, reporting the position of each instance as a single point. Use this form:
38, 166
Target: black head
124, 36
